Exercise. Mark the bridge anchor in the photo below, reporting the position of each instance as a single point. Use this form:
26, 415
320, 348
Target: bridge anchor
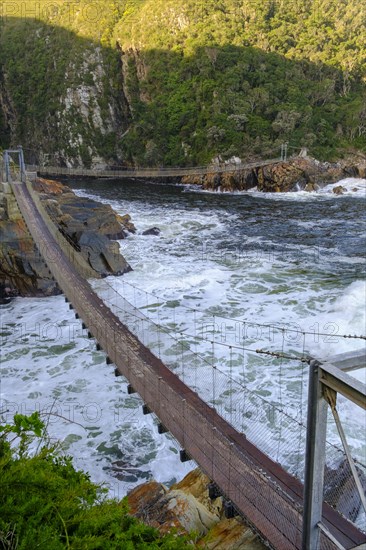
213, 491
162, 429
229, 509
184, 456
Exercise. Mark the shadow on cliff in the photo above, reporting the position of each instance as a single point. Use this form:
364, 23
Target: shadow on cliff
70, 101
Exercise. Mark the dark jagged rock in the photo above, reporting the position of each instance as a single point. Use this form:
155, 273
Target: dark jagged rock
87, 224
152, 231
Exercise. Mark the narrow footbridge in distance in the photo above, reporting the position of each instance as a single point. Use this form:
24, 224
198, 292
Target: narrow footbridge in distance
270, 499
146, 173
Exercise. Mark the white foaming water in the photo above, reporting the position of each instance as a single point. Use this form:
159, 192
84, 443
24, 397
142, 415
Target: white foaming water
218, 289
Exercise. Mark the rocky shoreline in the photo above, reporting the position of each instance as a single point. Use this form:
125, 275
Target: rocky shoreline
299, 173
187, 508
90, 227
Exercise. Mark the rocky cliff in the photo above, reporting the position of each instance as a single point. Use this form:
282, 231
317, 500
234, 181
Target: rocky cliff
296, 174
89, 226
186, 507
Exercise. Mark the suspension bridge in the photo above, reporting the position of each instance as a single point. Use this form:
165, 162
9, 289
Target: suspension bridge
269, 466
122, 172
148, 173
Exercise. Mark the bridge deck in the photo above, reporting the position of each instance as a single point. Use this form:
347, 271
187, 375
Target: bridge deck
267, 496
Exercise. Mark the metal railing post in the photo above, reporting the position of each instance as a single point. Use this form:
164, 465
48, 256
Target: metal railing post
21, 164
314, 459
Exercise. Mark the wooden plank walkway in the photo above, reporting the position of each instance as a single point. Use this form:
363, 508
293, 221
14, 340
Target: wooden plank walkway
265, 494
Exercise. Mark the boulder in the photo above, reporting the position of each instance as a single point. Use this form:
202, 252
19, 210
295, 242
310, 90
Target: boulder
338, 190
195, 483
102, 254
126, 223
166, 510
152, 231
186, 507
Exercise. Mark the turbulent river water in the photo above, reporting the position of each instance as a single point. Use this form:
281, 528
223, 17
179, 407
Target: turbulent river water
228, 273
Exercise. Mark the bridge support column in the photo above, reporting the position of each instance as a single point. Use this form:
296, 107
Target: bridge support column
229, 509
162, 429
213, 491
184, 456
130, 389
315, 460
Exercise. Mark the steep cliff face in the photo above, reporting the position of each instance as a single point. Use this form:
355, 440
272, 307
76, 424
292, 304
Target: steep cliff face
61, 96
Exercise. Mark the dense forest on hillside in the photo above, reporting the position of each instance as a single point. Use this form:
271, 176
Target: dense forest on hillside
176, 82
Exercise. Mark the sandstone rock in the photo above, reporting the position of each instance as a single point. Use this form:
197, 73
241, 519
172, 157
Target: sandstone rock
187, 507
174, 509
126, 222
144, 498
231, 534
195, 483
182, 507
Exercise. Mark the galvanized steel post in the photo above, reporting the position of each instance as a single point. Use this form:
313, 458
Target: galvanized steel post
314, 459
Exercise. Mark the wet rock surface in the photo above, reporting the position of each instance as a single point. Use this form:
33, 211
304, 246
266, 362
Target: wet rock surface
89, 226
152, 231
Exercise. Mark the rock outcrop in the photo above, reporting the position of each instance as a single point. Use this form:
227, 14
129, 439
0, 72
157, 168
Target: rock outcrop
89, 226
298, 173
186, 507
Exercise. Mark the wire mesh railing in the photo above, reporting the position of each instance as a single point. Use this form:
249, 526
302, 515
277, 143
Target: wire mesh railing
221, 372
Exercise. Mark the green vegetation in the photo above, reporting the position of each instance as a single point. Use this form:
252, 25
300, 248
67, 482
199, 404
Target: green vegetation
189, 79
45, 503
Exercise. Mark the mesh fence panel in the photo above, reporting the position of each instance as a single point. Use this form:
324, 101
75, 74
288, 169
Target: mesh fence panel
218, 365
